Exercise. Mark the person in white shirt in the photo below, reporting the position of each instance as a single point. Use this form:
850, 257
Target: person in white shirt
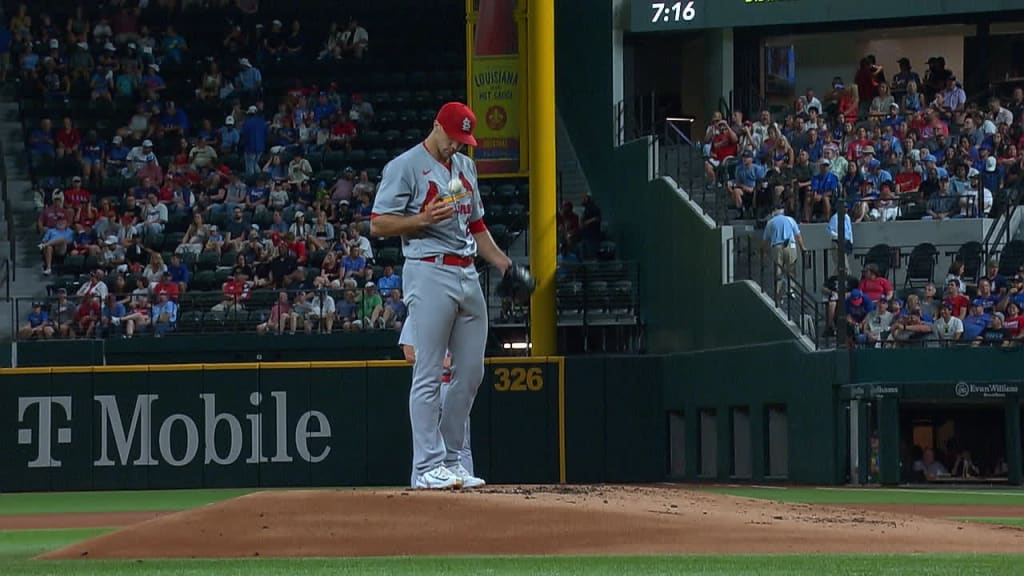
357, 239
323, 311
969, 198
1000, 115
809, 101
948, 328
139, 157
155, 216
354, 40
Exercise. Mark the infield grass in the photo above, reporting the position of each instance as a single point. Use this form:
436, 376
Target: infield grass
994, 520
999, 497
121, 501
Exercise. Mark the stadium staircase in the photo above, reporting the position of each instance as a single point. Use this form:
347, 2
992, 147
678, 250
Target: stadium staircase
17, 227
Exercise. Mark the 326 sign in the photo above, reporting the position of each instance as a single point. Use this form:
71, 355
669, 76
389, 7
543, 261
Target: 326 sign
518, 379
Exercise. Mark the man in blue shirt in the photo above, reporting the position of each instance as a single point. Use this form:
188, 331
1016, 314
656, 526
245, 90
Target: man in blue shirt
257, 196
41, 142
111, 309
782, 237
389, 281
254, 139
37, 325
174, 119
876, 175
55, 240
823, 185
976, 321
250, 80
179, 272
747, 176
164, 315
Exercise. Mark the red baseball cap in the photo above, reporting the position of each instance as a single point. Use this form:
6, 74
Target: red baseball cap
458, 122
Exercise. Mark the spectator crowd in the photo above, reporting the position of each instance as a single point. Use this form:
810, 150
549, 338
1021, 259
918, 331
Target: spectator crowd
173, 163
894, 146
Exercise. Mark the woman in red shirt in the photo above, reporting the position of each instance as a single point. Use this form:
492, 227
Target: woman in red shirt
723, 146
69, 140
873, 285
908, 180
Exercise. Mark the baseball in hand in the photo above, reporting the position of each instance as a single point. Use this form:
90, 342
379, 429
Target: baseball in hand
455, 187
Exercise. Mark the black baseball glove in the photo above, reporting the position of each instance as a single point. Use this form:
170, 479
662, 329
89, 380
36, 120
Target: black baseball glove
517, 284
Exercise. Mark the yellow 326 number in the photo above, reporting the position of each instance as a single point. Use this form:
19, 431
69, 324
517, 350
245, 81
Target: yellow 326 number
518, 379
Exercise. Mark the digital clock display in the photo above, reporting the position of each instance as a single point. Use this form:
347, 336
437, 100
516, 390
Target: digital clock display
673, 11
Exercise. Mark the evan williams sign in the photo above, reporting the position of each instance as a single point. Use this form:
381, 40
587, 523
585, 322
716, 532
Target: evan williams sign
128, 440
965, 390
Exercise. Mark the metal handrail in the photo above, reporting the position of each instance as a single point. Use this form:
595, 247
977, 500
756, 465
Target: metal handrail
8, 217
5, 277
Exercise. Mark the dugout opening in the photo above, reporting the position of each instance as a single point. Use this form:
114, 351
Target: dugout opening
953, 443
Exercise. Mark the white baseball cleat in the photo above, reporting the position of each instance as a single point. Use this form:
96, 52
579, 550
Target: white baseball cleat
468, 480
439, 478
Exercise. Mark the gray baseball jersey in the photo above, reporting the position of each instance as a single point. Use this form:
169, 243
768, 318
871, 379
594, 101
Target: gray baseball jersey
411, 181
445, 300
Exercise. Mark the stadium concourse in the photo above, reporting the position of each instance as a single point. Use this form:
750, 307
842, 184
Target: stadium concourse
226, 158
888, 147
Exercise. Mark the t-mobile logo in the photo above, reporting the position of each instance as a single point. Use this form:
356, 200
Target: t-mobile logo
44, 427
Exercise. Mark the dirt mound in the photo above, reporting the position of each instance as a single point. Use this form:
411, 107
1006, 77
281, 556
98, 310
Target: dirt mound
529, 520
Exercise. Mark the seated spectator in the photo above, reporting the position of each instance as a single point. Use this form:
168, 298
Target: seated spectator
112, 255
155, 217
343, 133
322, 234
942, 205
164, 314
92, 156
76, 196
41, 142
280, 316
948, 327
110, 316
37, 325
957, 301
969, 199
258, 196
286, 266
236, 293
62, 313
931, 468
744, 184
84, 243
873, 285
394, 311
857, 309
211, 83
202, 155
279, 198
723, 146
354, 40
369, 314
361, 111
1013, 323
875, 328
116, 157
250, 81
322, 312
302, 310
86, 317
53, 212
55, 240
975, 323
354, 266
824, 186
389, 281
167, 285
348, 311
299, 169
69, 140
887, 207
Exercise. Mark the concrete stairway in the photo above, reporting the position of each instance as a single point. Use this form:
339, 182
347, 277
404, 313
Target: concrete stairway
28, 279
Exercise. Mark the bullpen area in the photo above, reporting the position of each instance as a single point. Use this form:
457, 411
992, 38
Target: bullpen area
513, 530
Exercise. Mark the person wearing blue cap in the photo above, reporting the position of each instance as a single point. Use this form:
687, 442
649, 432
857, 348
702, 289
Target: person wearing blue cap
976, 322
876, 174
824, 185
745, 181
857, 309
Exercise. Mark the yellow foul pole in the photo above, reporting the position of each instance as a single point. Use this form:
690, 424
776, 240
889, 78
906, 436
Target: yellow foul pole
541, 114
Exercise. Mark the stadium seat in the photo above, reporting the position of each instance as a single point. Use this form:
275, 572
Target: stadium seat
971, 254
921, 265
881, 256
208, 261
1011, 258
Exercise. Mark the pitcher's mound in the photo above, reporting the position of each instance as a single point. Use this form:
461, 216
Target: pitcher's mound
533, 520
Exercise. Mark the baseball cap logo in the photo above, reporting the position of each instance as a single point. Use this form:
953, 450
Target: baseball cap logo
467, 125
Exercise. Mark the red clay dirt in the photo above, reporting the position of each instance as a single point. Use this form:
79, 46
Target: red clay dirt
74, 520
530, 520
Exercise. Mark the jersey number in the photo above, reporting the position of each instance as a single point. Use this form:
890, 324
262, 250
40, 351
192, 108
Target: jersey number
518, 379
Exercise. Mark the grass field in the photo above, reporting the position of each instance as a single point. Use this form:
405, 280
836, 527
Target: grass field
17, 548
1000, 497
